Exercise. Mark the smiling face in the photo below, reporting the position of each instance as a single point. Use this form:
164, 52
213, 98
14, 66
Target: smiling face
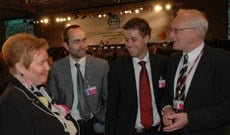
182, 34
37, 72
135, 43
188, 30
27, 58
77, 43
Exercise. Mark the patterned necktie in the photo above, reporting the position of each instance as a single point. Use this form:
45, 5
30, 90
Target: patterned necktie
146, 109
180, 94
42, 99
82, 106
69, 124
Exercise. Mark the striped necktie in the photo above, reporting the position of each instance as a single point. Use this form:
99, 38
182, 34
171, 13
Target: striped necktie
180, 89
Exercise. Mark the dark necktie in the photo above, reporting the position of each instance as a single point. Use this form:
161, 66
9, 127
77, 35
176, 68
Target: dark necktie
146, 109
180, 89
82, 106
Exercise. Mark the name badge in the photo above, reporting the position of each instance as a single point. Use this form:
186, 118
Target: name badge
161, 83
91, 91
178, 104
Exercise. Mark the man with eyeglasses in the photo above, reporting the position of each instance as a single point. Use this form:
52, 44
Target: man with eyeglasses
197, 100
80, 81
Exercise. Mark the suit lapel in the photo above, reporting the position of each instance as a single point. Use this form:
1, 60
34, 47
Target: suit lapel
172, 68
153, 66
155, 74
88, 70
129, 76
67, 75
36, 103
200, 73
130, 73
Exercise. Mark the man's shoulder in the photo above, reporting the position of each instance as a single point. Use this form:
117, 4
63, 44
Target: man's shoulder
158, 57
60, 62
217, 51
96, 60
122, 61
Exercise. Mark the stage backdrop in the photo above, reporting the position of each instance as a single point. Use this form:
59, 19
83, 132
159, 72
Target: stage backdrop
108, 30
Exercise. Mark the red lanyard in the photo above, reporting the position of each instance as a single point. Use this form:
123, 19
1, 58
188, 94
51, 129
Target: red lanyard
196, 60
194, 63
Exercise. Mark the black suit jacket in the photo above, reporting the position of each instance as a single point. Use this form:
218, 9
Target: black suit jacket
208, 100
21, 113
122, 97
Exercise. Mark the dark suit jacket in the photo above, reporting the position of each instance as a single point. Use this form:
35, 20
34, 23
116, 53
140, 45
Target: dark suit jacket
208, 99
122, 96
60, 83
21, 113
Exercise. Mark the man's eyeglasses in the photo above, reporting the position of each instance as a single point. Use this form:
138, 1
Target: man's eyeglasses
178, 30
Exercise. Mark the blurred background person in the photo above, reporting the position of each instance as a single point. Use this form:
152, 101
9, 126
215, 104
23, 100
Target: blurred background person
25, 106
55, 54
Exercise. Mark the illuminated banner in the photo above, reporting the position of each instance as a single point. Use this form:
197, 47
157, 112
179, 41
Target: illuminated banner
108, 30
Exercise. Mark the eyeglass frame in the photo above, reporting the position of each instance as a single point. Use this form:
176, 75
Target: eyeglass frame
177, 30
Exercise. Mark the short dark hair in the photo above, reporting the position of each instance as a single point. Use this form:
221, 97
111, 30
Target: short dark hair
139, 24
65, 32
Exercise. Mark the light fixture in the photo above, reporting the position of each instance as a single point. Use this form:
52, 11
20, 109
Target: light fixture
168, 6
157, 8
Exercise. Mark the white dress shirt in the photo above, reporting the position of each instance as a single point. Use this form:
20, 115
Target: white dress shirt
137, 69
74, 111
192, 65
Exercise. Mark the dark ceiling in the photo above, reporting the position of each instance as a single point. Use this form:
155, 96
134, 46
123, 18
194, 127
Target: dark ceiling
14, 9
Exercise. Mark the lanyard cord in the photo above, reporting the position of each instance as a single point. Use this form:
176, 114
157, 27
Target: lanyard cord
194, 63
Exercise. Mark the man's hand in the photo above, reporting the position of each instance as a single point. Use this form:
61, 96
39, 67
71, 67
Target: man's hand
174, 121
167, 111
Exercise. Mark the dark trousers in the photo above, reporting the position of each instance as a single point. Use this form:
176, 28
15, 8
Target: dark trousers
86, 127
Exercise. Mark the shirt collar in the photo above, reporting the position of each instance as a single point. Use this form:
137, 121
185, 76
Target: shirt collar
81, 61
146, 58
195, 52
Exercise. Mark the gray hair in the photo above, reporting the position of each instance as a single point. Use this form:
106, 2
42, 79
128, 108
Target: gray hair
196, 19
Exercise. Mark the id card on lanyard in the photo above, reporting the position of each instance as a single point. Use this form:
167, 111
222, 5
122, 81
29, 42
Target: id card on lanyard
179, 104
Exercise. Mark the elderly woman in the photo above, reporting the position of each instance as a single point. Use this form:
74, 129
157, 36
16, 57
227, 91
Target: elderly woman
25, 106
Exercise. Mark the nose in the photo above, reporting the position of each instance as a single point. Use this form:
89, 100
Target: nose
83, 44
47, 66
172, 34
128, 43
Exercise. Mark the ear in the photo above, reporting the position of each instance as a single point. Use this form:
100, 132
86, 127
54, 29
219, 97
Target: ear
196, 33
66, 46
146, 39
20, 67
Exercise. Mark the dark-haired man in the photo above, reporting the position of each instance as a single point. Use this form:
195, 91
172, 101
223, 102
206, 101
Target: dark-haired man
133, 79
86, 100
